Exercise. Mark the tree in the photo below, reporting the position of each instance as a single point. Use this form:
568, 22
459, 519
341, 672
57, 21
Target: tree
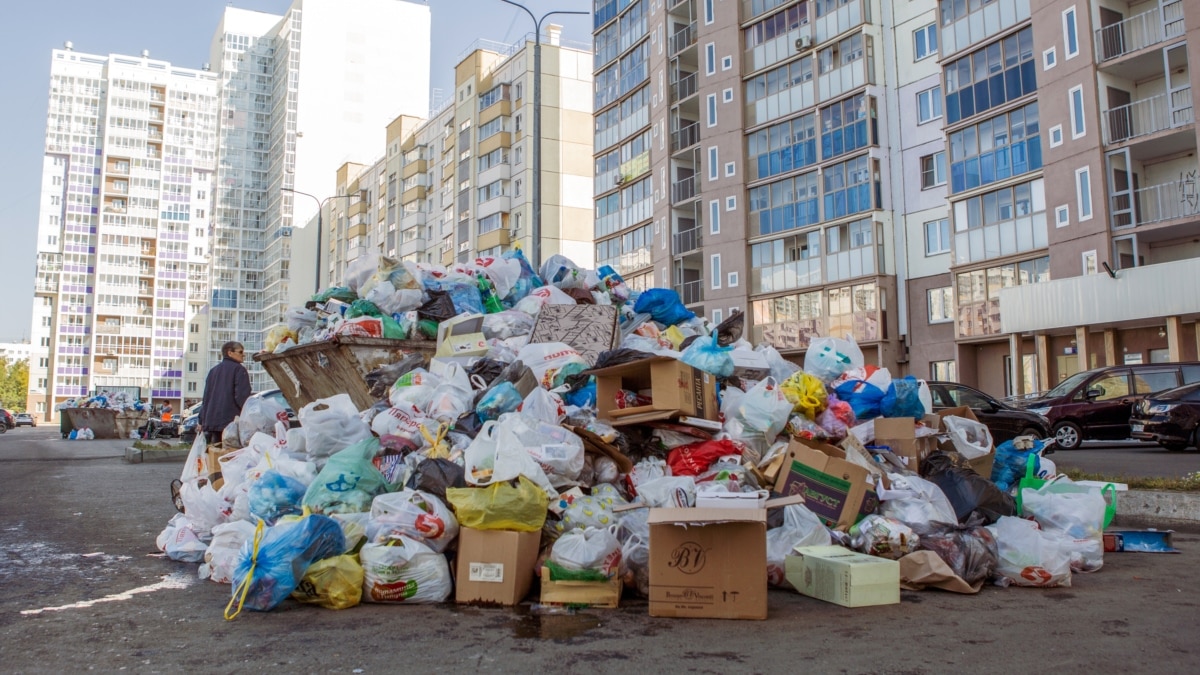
14, 384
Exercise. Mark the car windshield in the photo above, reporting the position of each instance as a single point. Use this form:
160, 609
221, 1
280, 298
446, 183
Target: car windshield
1067, 385
1177, 393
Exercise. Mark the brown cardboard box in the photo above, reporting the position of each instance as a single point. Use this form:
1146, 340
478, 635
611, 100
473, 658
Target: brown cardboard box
982, 465
495, 566
838, 491
212, 465
605, 594
675, 389
900, 434
708, 563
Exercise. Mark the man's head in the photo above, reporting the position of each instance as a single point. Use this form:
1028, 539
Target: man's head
233, 350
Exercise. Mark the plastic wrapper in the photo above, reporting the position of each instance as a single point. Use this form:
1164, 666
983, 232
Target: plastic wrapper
806, 393
333, 583
181, 541
837, 418
971, 439
781, 368
415, 514
520, 506
1027, 556
912, 500
331, 424
707, 355
970, 549
381, 379
967, 491
668, 492
760, 414
274, 495
405, 571
498, 400
269, 569
348, 482
884, 537
507, 324
557, 451
801, 527
414, 388
902, 399
591, 549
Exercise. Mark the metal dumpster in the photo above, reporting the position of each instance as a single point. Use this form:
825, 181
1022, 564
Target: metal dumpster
319, 370
102, 421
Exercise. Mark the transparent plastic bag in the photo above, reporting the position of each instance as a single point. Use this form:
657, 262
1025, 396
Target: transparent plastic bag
971, 439
1028, 556
181, 541
829, 357
331, 424
221, 557
1077, 513
502, 398
348, 482
706, 354
271, 565
590, 549
274, 495
913, 500
903, 399
415, 514
761, 413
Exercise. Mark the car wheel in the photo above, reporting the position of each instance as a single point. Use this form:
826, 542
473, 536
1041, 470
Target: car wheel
1068, 435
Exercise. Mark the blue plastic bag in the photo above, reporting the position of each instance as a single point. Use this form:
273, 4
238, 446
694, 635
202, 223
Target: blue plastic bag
528, 280
864, 398
663, 305
498, 400
465, 296
584, 397
706, 354
348, 482
274, 495
271, 565
903, 399
1009, 466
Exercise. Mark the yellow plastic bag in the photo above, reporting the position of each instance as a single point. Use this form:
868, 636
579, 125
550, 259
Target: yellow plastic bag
335, 583
501, 506
675, 335
278, 334
806, 393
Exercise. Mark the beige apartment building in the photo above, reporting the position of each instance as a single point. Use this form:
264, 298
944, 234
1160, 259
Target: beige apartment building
459, 185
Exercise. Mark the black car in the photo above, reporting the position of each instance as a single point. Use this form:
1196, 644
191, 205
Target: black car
6, 418
1169, 418
1004, 421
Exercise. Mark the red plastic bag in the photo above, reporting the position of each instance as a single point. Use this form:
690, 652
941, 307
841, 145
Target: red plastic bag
696, 458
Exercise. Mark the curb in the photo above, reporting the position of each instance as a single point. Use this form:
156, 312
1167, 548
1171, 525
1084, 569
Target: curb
136, 456
1160, 506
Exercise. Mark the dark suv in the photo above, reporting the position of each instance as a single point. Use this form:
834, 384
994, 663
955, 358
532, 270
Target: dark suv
1003, 420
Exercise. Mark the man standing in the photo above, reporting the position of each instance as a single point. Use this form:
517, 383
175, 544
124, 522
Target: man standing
225, 391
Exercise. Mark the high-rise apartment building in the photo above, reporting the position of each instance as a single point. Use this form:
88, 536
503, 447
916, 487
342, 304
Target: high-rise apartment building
459, 185
123, 224
300, 93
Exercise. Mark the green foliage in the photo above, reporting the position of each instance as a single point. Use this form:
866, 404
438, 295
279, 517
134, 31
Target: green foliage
1186, 483
14, 385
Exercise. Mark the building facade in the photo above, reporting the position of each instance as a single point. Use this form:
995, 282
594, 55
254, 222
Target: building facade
127, 179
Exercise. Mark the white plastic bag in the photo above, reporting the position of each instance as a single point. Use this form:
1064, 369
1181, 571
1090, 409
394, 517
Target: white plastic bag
1077, 515
181, 541
590, 549
540, 297
485, 461
543, 406
453, 397
801, 527
1029, 556
415, 514
404, 570
781, 368
205, 508
221, 557
913, 500
762, 413
259, 415
557, 450
331, 424
828, 357
403, 421
972, 439
504, 273
668, 492
360, 270
545, 359
634, 535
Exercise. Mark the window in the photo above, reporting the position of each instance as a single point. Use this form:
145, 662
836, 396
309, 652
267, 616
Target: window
714, 269
518, 155
929, 105
782, 148
191, 387
990, 76
193, 367
490, 223
193, 347
731, 203
1056, 138
517, 123
844, 126
491, 191
712, 109
710, 58
714, 217
517, 185
996, 149
730, 169
943, 371
925, 41
727, 95
933, 170
732, 279
713, 164
726, 63
1089, 265
1070, 33
491, 128
941, 304
978, 293
194, 328
784, 205
937, 236
708, 12
1083, 193
848, 187
1078, 127
1049, 58
1062, 216
717, 316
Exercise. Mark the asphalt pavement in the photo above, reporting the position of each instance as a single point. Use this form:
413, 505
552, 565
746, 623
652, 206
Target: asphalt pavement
1128, 458
84, 588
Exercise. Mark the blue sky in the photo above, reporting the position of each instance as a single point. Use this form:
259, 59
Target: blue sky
178, 31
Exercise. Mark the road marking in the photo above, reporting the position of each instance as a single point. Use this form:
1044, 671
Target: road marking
175, 581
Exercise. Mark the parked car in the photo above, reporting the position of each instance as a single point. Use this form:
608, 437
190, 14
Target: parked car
1097, 404
1004, 421
187, 432
1169, 418
191, 425
7, 418
24, 420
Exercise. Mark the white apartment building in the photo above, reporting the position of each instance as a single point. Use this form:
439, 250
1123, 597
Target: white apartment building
122, 227
300, 94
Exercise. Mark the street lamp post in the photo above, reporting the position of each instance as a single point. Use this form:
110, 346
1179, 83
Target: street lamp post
537, 126
320, 225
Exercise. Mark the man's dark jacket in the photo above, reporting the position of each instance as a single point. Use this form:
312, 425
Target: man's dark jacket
225, 391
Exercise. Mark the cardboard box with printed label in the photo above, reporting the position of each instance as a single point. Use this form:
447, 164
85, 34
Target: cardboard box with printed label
838, 491
674, 387
212, 465
748, 365
462, 336
605, 594
495, 566
900, 434
843, 577
708, 563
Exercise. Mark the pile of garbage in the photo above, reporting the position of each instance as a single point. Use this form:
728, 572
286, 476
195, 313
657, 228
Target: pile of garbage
571, 429
118, 401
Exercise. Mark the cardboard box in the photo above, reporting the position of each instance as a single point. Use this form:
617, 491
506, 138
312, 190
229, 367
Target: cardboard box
748, 365
495, 566
590, 329
900, 435
462, 336
606, 594
212, 465
675, 389
981, 465
838, 491
708, 563
732, 500
843, 577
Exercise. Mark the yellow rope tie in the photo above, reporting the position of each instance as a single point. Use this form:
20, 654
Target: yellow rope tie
244, 587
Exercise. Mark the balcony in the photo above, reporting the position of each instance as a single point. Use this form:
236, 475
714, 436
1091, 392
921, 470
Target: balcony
411, 247
1148, 116
686, 241
683, 190
1156, 204
1141, 31
683, 87
691, 292
683, 38
685, 137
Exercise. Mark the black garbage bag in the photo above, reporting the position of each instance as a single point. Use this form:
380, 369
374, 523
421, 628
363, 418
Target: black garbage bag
730, 330
435, 475
381, 379
969, 549
616, 357
487, 370
438, 308
967, 491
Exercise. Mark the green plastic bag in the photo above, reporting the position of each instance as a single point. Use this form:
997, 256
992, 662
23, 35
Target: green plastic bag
348, 482
501, 506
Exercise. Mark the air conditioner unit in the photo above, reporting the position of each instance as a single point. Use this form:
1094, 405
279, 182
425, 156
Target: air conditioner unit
804, 42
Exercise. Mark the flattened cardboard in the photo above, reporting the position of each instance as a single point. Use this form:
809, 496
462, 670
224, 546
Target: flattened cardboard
732, 500
595, 444
708, 563
495, 566
675, 389
603, 594
590, 329
838, 491
843, 577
